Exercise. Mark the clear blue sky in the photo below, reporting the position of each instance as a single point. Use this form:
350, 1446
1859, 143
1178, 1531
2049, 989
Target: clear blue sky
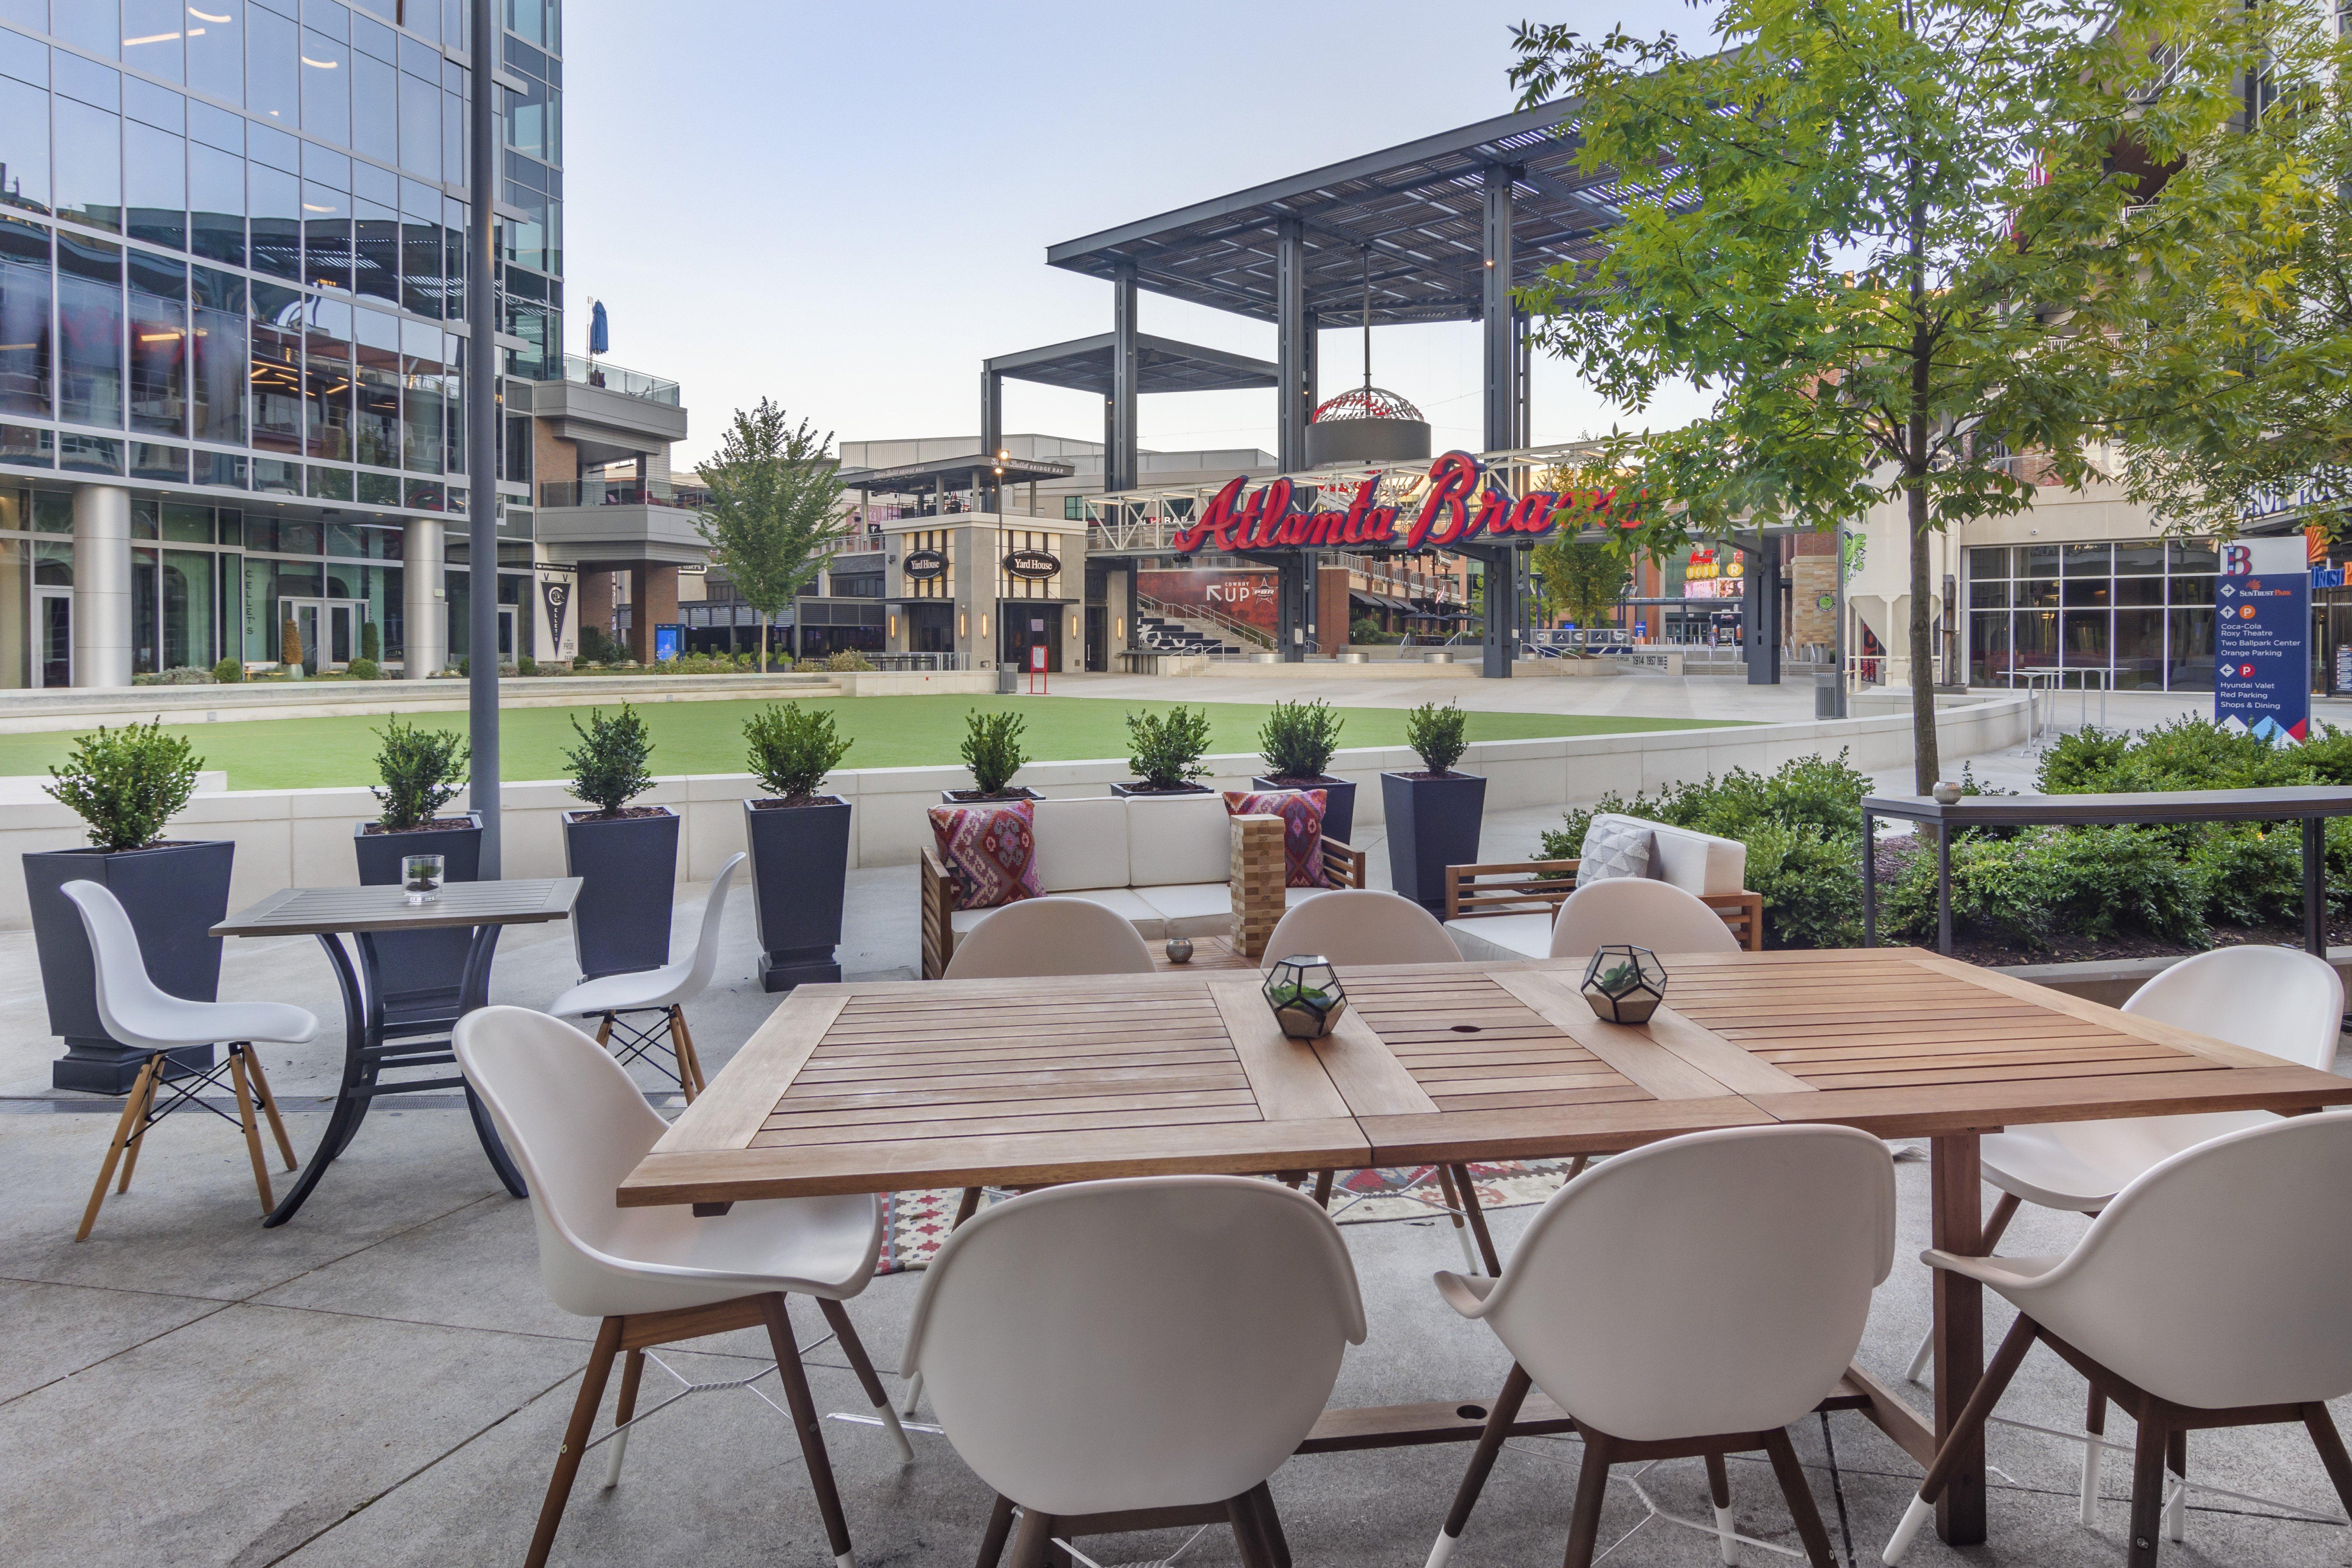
847, 208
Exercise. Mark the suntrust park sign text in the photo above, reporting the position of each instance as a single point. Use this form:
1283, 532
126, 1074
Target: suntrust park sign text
1458, 509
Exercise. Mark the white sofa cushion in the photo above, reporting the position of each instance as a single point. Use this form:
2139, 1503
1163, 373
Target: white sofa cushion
1176, 840
1499, 939
1192, 909
1695, 862
1081, 844
1149, 923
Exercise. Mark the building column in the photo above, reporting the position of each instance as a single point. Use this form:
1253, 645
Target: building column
424, 601
653, 601
1119, 460
1504, 407
992, 418
102, 585
1294, 334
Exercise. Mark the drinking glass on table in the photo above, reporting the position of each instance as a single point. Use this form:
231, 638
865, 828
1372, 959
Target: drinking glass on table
420, 877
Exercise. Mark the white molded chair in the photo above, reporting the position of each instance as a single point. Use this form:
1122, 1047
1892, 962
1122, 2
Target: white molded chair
1050, 936
2212, 1291
1162, 1343
665, 991
1361, 925
577, 1125
1635, 910
1689, 1298
142, 1017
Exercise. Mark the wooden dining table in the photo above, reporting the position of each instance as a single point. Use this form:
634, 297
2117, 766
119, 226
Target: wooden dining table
870, 1088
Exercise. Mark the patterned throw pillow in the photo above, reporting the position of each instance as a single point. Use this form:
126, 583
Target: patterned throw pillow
1613, 848
1301, 811
990, 851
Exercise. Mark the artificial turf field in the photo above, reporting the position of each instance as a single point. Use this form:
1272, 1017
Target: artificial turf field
707, 737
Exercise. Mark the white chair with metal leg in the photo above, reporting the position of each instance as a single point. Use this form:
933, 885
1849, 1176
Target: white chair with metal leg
1361, 925
2274, 1000
2209, 1292
1049, 936
577, 1125
1158, 1343
142, 1017
1688, 1300
665, 991
1635, 910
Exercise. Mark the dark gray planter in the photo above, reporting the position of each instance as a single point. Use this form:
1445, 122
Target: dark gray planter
1431, 823
1339, 803
1137, 789
627, 867
800, 861
424, 970
174, 895
961, 797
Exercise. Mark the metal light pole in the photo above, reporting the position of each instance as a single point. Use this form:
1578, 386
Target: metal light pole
1838, 646
482, 439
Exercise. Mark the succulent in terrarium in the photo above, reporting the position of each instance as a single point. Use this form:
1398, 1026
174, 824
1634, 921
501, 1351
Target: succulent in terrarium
1305, 994
1625, 984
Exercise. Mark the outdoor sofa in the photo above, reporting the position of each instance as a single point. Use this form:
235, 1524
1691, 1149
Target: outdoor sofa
1505, 911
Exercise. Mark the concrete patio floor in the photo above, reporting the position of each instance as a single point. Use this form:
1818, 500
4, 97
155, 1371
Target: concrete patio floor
385, 1382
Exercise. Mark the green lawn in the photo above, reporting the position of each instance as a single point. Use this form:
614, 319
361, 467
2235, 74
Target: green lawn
707, 737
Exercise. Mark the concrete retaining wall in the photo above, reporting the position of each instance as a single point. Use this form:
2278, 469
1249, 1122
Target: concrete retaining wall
302, 836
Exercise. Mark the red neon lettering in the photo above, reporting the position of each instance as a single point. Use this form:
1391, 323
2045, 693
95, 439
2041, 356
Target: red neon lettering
1493, 514
1533, 513
1451, 479
1379, 525
1351, 529
1217, 522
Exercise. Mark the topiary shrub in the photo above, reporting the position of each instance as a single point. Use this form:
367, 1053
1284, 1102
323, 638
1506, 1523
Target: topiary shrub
608, 766
526, 665
370, 643
126, 784
229, 670
1165, 750
793, 748
363, 670
421, 770
290, 644
1297, 739
992, 749
1438, 735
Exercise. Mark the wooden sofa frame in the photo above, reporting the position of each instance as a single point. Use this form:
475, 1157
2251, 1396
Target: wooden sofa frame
1523, 886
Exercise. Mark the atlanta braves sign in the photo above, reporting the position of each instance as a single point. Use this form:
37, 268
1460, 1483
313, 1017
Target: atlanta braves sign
1463, 504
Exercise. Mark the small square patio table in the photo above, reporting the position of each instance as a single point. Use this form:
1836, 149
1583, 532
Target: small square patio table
867, 1087
372, 1042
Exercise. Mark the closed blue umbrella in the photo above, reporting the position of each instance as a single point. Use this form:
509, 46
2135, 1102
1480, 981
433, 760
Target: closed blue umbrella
600, 330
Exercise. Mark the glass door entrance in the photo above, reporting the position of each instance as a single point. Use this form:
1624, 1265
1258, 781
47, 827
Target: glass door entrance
53, 635
329, 630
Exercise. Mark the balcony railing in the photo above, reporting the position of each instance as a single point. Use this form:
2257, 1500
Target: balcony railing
606, 492
617, 378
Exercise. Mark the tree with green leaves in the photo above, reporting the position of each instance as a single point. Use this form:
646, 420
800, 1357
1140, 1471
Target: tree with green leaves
1583, 578
772, 522
1899, 242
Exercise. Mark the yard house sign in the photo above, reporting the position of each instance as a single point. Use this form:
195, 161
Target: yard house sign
1463, 504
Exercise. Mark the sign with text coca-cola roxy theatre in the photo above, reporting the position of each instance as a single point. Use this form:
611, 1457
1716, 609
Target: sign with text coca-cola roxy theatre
1463, 503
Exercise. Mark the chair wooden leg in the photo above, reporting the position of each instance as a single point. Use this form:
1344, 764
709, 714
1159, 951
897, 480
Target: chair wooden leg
1576, 1166
2330, 1444
252, 1128
853, 1348
1029, 1544
805, 1423
604, 1031
632, 1368
1270, 1523
2094, 1423
139, 1128
114, 1149
1499, 1416
1592, 1486
2176, 1459
1961, 1442
681, 1051
1323, 1188
1800, 1494
1718, 1491
575, 1440
1000, 1530
268, 1103
1998, 1221
967, 1205
2147, 1491
1461, 1224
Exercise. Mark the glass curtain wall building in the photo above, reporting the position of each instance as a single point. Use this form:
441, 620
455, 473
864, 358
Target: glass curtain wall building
233, 326
2135, 614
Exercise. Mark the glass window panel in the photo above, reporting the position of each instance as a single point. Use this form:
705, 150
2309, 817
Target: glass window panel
276, 377
2139, 650
231, 526
15, 633
2034, 639
277, 201
453, 139
221, 369
298, 539
425, 400
1992, 563
86, 81
260, 610
157, 106
217, 191
24, 293
90, 325
326, 88
280, 149
52, 512
420, 126
230, 573
420, 268
424, 495
376, 258
2087, 639
2037, 560
2088, 560
2186, 590
372, 37
327, 399
145, 629
152, 35
1988, 649
330, 484
2189, 653
89, 453
28, 446
216, 48
377, 433
217, 127
2139, 590
2037, 593
24, 146
2135, 560
273, 68
88, 164
275, 476
155, 186
375, 110
379, 490
142, 520
26, 59
159, 347
224, 468
343, 540
2193, 556
1988, 595
328, 16
2088, 591
326, 237
153, 460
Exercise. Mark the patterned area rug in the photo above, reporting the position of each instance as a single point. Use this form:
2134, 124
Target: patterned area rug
919, 1222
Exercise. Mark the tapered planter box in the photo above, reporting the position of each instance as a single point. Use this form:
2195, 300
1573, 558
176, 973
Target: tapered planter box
800, 861
627, 867
1432, 823
174, 895
1339, 801
1141, 791
422, 972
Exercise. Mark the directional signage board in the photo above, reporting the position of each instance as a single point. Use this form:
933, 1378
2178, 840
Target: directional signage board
2262, 643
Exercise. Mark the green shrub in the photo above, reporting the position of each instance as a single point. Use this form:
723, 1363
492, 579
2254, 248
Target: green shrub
1811, 885
608, 766
2085, 884
126, 784
1438, 735
178, 675
421, 770
370, 643
848, 660
2251, 875
594, 645
1165, 750
1298, 737
526, 665
229, 670
992, 749
793, 748
2186, 753
1367, 631
363, 670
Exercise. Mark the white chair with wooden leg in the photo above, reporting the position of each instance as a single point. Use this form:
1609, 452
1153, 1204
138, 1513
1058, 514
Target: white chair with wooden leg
1688, 1300
2212, 1291
610, 998
577, 1125
144, 1018
1635, 910
1050, 936
1132, 1354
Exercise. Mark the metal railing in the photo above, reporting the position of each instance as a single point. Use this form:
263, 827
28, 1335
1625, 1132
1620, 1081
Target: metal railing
1240, 631
621, 379
606, 492
923, 663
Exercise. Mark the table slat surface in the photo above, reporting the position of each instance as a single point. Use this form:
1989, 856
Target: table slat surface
315, 911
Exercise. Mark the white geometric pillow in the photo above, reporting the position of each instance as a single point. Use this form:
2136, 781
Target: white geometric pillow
1613, 846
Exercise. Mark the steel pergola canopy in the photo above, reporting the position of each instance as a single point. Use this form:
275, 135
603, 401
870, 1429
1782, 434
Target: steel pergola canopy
1162, 365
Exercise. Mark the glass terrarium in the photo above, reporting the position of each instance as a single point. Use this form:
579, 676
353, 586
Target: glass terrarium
1303, 991
1625, 984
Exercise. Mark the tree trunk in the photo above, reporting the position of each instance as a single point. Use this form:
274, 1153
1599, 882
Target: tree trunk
1926, 767
763, 643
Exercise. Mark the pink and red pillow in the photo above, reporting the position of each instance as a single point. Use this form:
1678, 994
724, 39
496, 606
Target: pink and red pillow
990, 851
1301, 811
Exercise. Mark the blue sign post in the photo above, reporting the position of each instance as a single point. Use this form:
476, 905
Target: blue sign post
2262, 643
666, 643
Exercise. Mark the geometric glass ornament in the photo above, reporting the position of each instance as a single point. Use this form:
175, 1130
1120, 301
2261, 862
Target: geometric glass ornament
1625, 984
1305, 994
